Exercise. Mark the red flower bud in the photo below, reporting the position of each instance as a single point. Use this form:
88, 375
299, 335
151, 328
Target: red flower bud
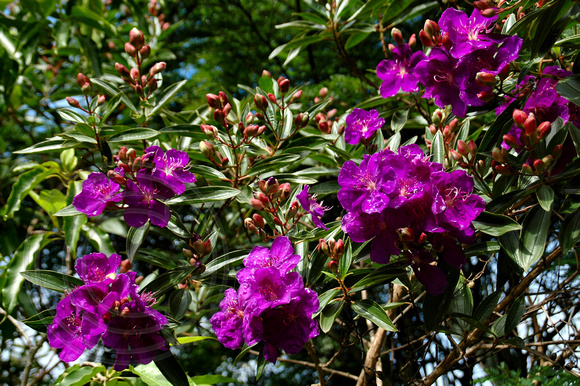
261, 102
135, 74
249, 223
557, 152
296, 96
272, 98
136, 38
511, 141
283, 84
462, 148
73, 102
503, 170
157, 68
258, 220
82, 80
519, 118
544, 129
223, 98
332, 266
122, 70
323, 92
497, 155
485, 79
101, 100
531, 127
397, 36
539, 165
213, 101
145, 51
130, 50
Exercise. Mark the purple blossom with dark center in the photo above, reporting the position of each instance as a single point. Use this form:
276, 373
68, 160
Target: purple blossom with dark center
135, 334
227, 323
98, 268
98, 190
281, 256
315, 209
67, 331
399, 73
444, 78
170, 168
361, 124
468, 34
142, 199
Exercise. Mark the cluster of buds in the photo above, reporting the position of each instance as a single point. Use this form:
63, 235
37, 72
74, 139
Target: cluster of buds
325, 122
466, 154
221, 107
85, 85
196, 251
127, 160
531, 133
214, 156
448, 131
269, 199
154, 8
488, 8
143, 84
534, 166
333, 249
398, 38
430, 35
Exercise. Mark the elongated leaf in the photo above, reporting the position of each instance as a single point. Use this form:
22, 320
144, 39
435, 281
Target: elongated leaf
380, 276
193, 339
372, 311
22, 260
73, 116
515, 313
462, 303
167, 280
570, 231
166, 96
329, 313
137, 134
545, 197
533, 237
171, 369
99, 239
67, 211
113, 90
211, 379
25, 183
52, 280
203, 195
179, 302
93, 19
398, 120
324, 299
80, 375
50, 145
228, 260
485, 308
495, 224
356, 38
135, 237
438, 148
41, 321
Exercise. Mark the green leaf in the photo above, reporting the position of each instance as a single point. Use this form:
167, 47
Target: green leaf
499, 127
380, 276
483, 248
156, 258
68, 159
50, 145
52, 280
372, 311
203, 195
135, 237
495, 224
150, 375
533, 237
41, 321
137, 134
545, 197
229, 260
575, 135
193, 339
50, 200
207, 172
166, 95
72, 225
179, 302
68, 211
515, 313
462, 303
212, 379
99, 239
570, 231
72, 116
171, 369
438, 148
260, 366
324, 299
22, 260
24, 184
79, 376
399, 120
355, 38
168, 280
113, 91
329, 313
288, 124
345, 260
93, 19
273, 163
485, 308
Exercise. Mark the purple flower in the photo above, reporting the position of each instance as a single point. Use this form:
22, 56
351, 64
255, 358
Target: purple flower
468, 34
227, 323
170, 168
399, 73
443, 78
280, 255
67, 331
97, 268
134, 334
97, 192
361, 124
142, 199
310, 205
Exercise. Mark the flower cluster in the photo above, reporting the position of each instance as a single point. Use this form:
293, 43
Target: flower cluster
158, 175
107, 307
461, 67
412, 208
361, 125
272, 305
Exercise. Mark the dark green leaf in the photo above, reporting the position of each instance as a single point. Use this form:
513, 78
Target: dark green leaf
52, 280
329, 313
50, 145
345, 260
67, 211
495, 224
203, 195
73, 116
166, 96
483, 248
168, 280
212, 379
25, 183
226, 261
260, 366
113, 90
171, 369
354, 39
324, 299
575, 135
499, 127
398, 120
156, 258
545, 197
135, 237
533, 237
41, 321
570, 231
485, 308
515, 313
179, 302
137, 134
372, 311
380, 276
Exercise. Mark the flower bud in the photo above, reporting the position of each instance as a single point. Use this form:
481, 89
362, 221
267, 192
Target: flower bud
503, 170
187, 253
504, 72
485, 79
207, 149
323, 92
261, 102
331, 244
262, 197
455, 155
152, 85
122, 70
397, 36
511, 141
126, 266
277, 221
296, 96
490, 12
139, 89
332, 266
209, 130
412, 41
261, 130
218, 115
472, 147
406, 234
136, 38
294, 207
283, 84
519, 118
338, 250
544, 129
266, 73
453, 125
527, 169
485, 96
322, 246
256, 204
83, 81
462, 148
258, 220
539, 165
130, 50
157, 68
145, 51
325, 127
557, 152
285, 189
531, 127
272, 98
135, 74
101, 100
250, 225
425, 40
250, 131
227, 109
272, 186
73, 102
480, 166
391, 47
223, 98
497, 155
213, 101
